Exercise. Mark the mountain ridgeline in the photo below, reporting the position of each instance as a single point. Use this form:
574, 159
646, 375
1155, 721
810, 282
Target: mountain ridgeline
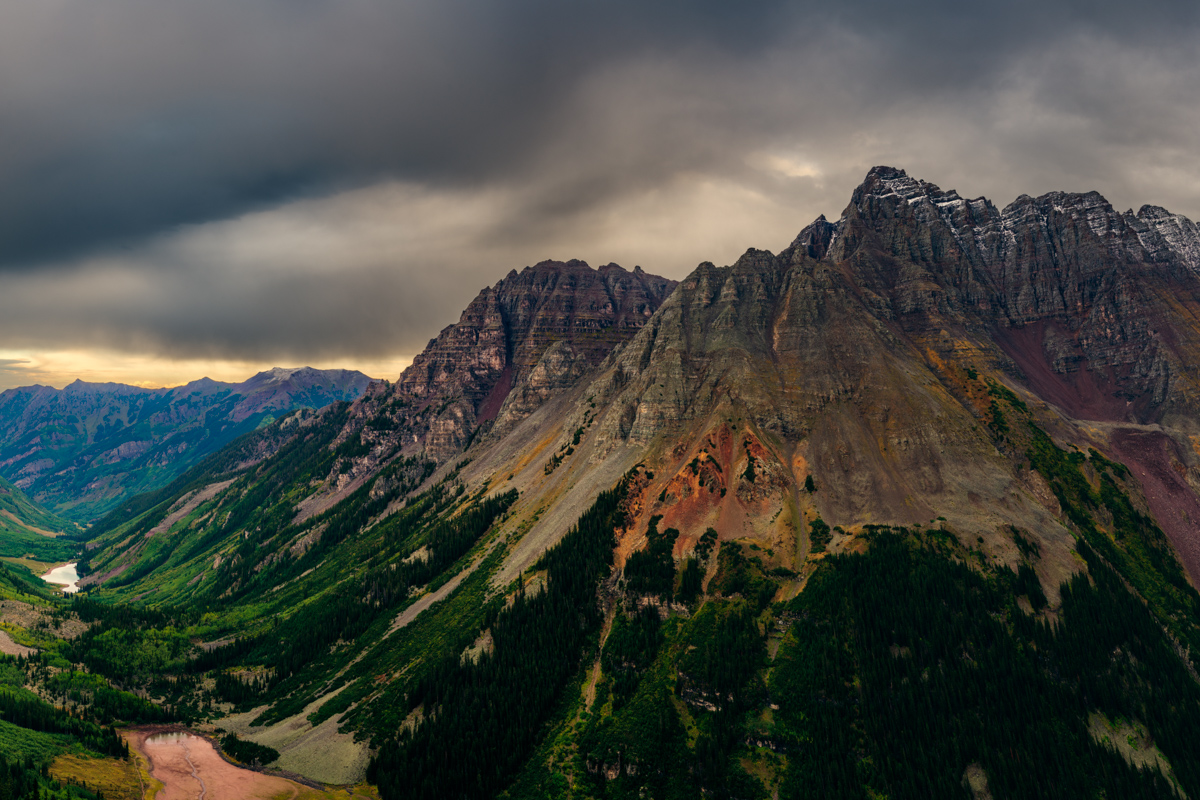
83, 449
908, 509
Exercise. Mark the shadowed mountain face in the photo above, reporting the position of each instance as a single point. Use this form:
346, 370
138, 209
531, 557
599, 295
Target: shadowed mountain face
83, 449
921, 422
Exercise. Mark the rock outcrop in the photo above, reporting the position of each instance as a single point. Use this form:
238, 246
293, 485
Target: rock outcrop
791, 401
533, 334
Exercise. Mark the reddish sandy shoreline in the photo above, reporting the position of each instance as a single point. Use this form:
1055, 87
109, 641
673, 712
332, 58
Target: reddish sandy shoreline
190, 768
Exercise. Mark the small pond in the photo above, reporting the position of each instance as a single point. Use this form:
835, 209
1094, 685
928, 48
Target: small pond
64, 576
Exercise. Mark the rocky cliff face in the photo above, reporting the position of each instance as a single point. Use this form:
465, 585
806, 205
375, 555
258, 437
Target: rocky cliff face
533, 334
1063, 283
82, 449
866, 356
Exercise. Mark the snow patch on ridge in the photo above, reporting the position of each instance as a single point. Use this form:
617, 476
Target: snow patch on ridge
989, 234
1164, 234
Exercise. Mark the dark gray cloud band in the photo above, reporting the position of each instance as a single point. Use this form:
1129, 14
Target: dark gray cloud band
158, 154
126, 116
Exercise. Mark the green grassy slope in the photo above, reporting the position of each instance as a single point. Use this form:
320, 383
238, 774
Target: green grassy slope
19, 584
28, 529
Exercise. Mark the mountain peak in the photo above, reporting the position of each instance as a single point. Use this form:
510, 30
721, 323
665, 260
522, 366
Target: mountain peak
815, 239
546, 324
1164, 235
79, 386
302, 379
278, 374
889, 182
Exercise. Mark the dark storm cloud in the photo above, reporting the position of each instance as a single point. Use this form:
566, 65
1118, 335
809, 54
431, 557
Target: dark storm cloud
127, 116
262, 179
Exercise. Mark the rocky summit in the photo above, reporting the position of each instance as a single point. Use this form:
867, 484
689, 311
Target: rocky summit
533, 333
907, 509
527, 339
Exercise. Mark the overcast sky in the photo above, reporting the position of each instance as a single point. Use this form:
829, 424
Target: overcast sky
214, 187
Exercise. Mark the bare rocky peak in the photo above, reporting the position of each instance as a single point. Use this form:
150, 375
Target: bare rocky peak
1066, 292
815, 239
503, 335
1166, 235
985, 236
856, 355
510, 325
519, 342
839, 342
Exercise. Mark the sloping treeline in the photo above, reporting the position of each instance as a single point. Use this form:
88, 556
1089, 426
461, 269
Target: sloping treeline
483, 719
35, 714
638, 745
298, 448
448, 542
248, 752
652, 569
226, 460
904, 667
1123, 537
264, 506
261, 521
309, 632
18, 780
346, 614
14, 584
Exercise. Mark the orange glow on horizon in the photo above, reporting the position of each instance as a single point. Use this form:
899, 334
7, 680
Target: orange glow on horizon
61, 367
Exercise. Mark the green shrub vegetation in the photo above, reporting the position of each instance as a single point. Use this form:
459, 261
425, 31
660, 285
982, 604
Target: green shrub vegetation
820, 535
248, 752
740, 576
652, 569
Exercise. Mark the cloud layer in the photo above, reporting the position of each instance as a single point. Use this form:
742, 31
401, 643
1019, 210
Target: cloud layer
319, 180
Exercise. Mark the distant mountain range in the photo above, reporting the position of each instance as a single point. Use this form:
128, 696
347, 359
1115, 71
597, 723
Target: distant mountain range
79, 451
